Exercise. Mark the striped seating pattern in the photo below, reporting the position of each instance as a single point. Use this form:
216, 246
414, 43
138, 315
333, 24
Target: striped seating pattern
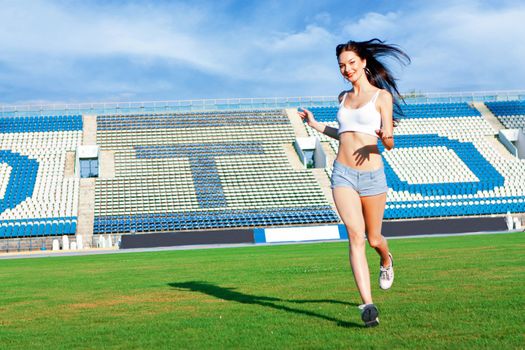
202, 171
444, 166
36, 198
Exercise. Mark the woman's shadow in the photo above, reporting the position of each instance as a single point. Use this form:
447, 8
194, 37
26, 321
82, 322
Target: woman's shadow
231, 295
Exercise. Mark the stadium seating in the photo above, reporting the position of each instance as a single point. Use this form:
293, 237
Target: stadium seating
202, 171
411, 111
510, 113
443, 164
210, 170
36, 199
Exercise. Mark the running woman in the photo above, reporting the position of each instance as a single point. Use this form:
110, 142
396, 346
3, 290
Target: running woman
358, 180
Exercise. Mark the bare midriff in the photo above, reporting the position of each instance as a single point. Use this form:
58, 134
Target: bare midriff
359, 151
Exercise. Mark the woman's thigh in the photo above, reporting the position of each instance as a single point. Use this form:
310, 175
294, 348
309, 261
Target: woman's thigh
348, 204
373, 211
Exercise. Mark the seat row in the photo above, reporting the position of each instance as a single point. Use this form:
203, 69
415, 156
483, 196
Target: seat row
30, 228
453, 210
188, 121
507, 108
215, 219
513, 121
271, 134
17, 124
410, 111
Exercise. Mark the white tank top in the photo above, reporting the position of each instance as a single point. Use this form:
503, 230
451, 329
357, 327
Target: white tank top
365, 119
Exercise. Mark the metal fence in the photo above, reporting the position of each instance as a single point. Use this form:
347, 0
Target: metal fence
205, 105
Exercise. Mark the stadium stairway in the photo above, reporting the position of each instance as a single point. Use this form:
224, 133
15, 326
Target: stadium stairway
489, 116
296, 122
86, 204
320, 175
496, 125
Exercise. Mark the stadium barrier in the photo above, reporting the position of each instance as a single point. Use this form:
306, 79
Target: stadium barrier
311, 233
202, 105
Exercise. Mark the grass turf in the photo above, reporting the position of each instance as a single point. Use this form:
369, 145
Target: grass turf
450, 292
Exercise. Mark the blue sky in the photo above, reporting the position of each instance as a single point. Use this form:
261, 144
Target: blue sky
91, 51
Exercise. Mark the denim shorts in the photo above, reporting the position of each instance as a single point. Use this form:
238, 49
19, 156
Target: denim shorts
364, 182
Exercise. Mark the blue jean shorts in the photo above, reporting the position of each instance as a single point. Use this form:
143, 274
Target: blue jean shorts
364, 182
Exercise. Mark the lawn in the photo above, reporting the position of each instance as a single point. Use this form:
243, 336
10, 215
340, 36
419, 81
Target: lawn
450, 292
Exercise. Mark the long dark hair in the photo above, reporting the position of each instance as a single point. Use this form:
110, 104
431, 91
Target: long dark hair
377, 73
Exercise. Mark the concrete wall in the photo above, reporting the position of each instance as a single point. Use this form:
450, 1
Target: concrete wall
507, 138
311, 143
86, 198
319, 155
521, 144
106, 163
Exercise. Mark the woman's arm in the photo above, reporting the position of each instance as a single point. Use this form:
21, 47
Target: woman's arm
308, 116
327, 130
386, 133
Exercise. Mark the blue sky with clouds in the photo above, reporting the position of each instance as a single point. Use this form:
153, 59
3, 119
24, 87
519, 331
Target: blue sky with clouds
88, 51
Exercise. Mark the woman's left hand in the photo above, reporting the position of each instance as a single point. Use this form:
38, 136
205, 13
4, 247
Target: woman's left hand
386, 138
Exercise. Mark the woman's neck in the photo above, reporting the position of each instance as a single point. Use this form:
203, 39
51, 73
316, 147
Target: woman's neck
362, 85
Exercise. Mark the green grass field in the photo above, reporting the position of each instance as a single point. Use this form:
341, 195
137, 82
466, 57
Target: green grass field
450, 292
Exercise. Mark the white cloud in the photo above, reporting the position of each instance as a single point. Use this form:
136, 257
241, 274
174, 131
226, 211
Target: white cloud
306, 40
372, 24
153, 49
71, 32
51, 38
454, 46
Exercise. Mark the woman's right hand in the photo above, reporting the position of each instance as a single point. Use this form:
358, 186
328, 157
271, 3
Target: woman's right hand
307, 116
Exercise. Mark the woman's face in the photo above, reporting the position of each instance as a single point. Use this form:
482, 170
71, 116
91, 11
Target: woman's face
352, 67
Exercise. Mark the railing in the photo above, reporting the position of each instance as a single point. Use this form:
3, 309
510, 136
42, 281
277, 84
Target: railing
205, 105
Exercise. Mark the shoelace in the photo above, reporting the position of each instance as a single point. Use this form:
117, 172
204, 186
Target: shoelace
386, 273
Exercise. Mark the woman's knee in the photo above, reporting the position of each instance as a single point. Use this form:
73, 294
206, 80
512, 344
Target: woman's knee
357, 239
375, 241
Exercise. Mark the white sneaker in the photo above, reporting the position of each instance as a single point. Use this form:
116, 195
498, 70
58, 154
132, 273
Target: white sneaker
369, 314
386, 274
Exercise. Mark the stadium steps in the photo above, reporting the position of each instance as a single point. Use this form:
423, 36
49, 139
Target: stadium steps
499, 147
292, 156
86, 205
489, 116
330, 153
107, 164
69, 170
297, 123
320, 175
86, 210
89, 132
324, 181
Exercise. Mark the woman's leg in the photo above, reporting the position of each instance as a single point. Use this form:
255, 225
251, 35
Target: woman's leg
348, 205
373, 210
